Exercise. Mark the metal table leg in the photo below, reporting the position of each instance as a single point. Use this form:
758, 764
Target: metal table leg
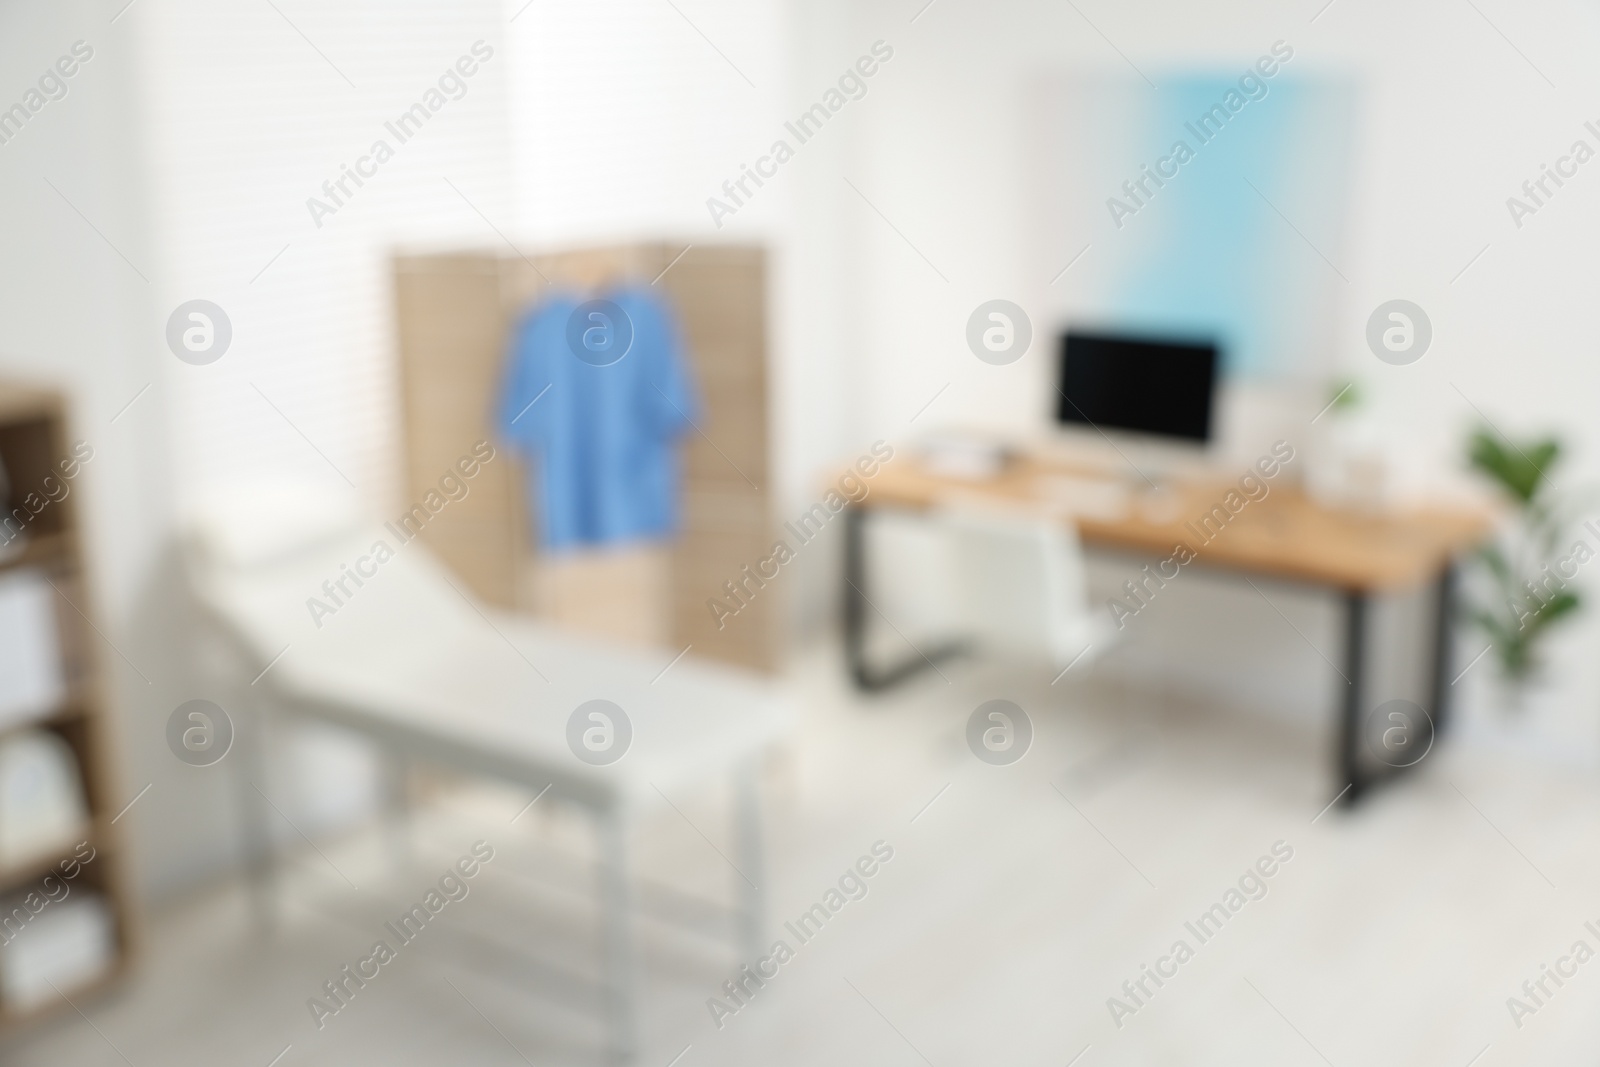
866, 676
617, 934
1444, 615
855, 601
1349, 758
1351, 768
747, 801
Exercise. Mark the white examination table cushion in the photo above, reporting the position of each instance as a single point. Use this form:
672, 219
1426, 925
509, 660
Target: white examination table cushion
411, 658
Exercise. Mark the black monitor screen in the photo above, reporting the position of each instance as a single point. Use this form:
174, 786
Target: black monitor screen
1148, 386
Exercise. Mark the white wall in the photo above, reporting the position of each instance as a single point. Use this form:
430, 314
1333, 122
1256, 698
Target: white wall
245, 123
75, 273
77, 280
627, 115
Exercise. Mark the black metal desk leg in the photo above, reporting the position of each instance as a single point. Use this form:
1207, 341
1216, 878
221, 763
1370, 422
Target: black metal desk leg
856, 606
1355, 633
1444, 608
855, 601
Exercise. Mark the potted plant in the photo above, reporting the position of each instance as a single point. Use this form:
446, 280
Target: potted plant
1348, 465
1523, 577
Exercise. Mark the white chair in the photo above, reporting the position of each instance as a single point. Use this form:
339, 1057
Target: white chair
1020, 585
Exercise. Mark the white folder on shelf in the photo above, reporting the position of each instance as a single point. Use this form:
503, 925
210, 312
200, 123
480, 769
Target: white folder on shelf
63, 946
42, 805
31, 679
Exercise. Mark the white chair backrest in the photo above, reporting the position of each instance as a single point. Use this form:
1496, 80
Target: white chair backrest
1021, 581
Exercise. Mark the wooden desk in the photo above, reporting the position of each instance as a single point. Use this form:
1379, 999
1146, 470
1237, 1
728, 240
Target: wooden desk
1284, 535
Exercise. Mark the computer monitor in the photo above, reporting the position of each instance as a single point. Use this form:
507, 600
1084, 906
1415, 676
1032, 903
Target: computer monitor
1144, 385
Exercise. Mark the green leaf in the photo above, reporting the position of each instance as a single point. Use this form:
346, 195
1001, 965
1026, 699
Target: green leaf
1555, 608
1517, 469
1514, 623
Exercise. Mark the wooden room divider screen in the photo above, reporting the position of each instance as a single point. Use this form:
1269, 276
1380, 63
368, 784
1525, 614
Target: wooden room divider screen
455, 313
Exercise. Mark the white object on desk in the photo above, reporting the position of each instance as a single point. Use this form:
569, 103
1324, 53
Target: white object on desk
31, 683
965, 456
42, 806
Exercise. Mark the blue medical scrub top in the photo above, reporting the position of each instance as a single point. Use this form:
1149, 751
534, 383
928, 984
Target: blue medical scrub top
600, 429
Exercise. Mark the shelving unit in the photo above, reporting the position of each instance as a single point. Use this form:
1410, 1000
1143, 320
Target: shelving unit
34, 440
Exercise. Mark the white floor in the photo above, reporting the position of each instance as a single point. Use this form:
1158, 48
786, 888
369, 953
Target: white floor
1015, 904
